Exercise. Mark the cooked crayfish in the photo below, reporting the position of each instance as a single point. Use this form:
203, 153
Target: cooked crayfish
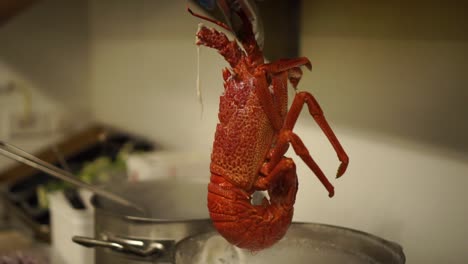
254, 132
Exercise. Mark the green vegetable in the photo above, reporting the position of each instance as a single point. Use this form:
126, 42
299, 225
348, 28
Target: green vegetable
99, 171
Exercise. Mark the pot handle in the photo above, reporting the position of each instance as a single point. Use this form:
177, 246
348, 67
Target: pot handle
123, 245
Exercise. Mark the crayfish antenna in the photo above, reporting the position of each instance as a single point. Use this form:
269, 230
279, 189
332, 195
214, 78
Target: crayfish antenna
199, 94
219, 23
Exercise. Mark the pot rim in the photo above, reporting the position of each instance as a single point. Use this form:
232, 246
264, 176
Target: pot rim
390, 244
143, 219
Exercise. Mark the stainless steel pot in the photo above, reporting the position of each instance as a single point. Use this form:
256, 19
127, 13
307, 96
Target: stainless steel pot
175, 209
176, 229
303, 243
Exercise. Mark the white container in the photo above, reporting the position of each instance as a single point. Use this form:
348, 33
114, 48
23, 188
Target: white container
67, 222
168, 164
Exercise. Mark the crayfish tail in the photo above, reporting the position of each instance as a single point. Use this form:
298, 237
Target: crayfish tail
248, 226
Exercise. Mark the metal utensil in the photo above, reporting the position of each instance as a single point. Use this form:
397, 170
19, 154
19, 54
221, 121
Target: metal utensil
22, 156
72, 195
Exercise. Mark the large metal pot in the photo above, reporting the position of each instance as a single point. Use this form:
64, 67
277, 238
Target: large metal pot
303, 243
175, 210
176, 229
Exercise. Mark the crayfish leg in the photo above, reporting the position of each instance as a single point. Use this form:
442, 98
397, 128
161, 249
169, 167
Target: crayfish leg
212, 38
291, 66
305, 98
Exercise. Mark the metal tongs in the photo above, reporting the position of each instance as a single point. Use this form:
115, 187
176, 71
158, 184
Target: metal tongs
22, 156
229, 9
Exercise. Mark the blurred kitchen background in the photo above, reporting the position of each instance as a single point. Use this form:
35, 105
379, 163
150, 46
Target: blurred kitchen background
392, 78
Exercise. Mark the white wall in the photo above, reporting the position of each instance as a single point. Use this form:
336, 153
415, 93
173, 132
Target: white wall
47, 45
144, 72
405, 192
45, 50
396, 68
392, 77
